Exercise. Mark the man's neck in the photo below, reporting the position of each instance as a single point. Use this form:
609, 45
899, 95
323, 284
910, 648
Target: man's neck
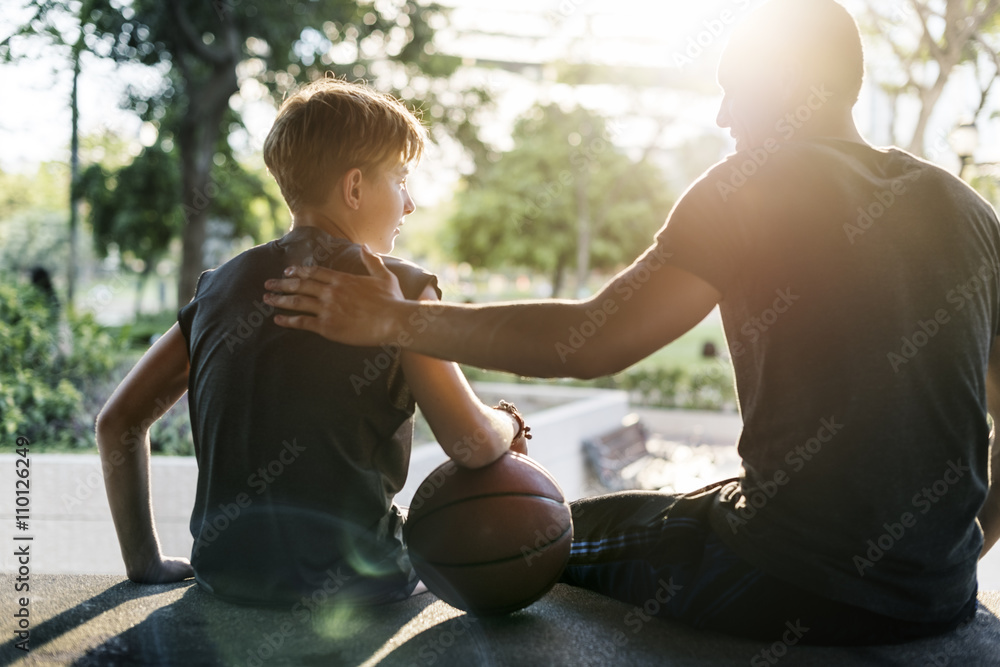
835, 127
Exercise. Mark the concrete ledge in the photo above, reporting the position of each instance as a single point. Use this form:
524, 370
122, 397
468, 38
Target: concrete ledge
105, 620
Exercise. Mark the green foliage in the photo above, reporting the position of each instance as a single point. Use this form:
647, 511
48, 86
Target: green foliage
171, 433
34, 237
47, 366
200, 53
524, 209
650, 385
135, 208
33, 216
140, 332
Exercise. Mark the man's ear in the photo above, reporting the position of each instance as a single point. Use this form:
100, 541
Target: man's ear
350, 186
791, 82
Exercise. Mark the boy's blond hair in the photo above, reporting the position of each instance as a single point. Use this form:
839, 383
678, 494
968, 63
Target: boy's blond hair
331, 126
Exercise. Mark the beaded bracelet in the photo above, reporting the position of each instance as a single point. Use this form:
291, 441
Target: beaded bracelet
522, 428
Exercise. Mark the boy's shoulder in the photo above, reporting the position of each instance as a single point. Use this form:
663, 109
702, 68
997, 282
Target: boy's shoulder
310, 246
413, 278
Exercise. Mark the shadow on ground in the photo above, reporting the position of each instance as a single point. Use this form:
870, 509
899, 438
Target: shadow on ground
102, 620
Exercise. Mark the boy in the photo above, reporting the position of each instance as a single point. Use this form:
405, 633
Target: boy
301, 445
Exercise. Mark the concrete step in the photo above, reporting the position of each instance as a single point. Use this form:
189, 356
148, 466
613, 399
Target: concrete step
105, 620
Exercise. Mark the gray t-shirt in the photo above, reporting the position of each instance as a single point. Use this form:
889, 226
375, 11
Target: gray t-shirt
860, 302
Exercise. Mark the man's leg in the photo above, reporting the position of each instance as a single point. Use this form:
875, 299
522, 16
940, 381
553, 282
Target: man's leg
657, 552
628, 546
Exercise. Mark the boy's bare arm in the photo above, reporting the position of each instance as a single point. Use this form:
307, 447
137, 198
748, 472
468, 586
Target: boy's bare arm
646, 306
471, 433
989, 515
150, 388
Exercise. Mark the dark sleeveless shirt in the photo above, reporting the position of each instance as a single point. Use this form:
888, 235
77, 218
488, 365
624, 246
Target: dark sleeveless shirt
301, 443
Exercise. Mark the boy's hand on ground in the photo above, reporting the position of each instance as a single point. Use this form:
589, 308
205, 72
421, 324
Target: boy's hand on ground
164, 571
342, 307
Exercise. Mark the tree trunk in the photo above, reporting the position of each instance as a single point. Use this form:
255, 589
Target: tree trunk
196, 140
140, 284
74, 175
583, 233
557, 276
928, 101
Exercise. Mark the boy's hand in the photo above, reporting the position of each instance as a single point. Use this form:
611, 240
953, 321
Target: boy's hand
342, 307
163, 571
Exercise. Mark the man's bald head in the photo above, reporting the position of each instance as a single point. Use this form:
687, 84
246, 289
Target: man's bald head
816, 41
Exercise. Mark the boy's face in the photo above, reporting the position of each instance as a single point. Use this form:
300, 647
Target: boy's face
383, 205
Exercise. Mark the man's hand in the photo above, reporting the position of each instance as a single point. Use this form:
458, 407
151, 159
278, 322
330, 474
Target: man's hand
342, 307
163, 571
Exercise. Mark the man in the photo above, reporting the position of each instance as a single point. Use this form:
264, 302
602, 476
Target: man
860, 293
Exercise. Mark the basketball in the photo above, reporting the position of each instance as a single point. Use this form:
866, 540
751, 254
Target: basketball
490, 540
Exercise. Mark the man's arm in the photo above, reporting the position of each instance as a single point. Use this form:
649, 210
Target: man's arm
640, 310
150, 388
989, 515
471, 434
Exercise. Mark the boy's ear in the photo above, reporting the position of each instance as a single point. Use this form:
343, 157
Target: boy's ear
350, 186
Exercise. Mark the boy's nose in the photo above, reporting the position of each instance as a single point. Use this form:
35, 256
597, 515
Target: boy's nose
408, 205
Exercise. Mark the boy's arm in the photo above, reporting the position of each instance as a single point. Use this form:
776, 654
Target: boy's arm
150, 388
471, 434
640, 310
989, 515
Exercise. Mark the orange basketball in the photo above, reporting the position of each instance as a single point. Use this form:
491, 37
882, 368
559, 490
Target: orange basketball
490, 540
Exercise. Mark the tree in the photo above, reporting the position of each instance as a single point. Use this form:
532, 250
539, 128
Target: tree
201, 53
564, 195
134, 208
44, 23
928, 40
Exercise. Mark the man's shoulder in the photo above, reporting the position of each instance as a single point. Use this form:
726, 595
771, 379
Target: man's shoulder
793, 166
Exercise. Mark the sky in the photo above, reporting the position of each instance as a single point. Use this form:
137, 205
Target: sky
680, 36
